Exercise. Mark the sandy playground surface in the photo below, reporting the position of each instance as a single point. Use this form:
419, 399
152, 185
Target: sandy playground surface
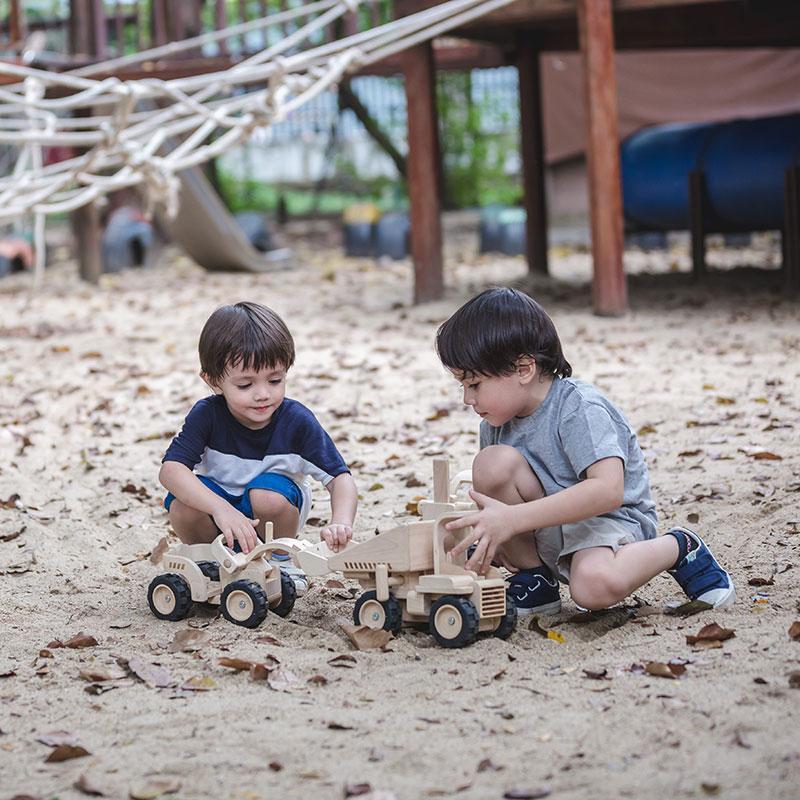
95, 380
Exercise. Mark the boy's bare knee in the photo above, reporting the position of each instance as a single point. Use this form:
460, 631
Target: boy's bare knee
267, 504
595, 586
494, 466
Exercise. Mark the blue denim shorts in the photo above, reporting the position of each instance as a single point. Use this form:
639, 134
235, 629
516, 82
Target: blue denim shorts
271, 481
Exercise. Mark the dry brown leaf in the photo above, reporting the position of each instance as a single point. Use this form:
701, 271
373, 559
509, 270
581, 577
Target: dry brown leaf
199, 684
65, 752
81, 640
239, 664
365, 638
188, 640
794, 679
158, 551
259, 672
711, 633
98, 674
343, 660
317, 680
661, 670
527, 794
794, 631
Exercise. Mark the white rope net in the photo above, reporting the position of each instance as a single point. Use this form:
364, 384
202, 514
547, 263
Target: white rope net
146, 131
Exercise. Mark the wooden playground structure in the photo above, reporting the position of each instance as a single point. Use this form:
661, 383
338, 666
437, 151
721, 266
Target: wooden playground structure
516, 33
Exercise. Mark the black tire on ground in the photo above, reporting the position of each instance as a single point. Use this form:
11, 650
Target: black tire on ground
373, 613
169, 597
244, 603
288, 596
210, 569
453, 621
508, 623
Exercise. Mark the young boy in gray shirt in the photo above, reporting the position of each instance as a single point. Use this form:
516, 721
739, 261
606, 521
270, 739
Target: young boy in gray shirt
560, 480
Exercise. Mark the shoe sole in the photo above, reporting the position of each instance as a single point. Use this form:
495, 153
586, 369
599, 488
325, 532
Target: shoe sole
548, 608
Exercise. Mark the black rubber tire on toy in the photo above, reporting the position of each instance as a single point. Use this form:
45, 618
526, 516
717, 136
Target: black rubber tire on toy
453, 621
169, 597
375, 614
244, 603
210, 569
288, 596
508, 622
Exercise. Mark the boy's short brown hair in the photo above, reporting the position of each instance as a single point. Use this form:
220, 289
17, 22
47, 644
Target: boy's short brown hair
246, 334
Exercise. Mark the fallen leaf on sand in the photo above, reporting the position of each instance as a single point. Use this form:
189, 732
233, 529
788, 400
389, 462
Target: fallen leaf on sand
64, 752
317, 680
89, 785
153, 787
188, 640
794, 679
343, 660
794, 631
153, 675
159, 550
98, 674
661, 670
711, 633
239, 664
77, 641
357, 789
199, 684
688, 609
554, 636
282, 680
259, 672
365, 638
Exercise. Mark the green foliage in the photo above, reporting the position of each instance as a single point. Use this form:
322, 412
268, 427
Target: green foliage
473, 157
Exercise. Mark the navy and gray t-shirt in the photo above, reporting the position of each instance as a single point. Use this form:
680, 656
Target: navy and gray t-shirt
214, 443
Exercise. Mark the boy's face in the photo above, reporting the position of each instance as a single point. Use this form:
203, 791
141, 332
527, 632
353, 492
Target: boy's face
498, 398
252, 396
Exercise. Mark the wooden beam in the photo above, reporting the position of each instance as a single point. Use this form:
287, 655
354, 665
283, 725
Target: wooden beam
532, 151
16, 24
424, 169
609, 290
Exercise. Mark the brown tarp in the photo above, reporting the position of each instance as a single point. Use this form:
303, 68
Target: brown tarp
654, 87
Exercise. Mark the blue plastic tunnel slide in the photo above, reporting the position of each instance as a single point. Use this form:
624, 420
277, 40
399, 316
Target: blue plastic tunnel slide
743, 163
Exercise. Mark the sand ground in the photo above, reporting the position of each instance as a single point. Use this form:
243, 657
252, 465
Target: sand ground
94, 381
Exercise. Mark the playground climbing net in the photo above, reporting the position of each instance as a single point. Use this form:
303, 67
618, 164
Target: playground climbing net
146, 131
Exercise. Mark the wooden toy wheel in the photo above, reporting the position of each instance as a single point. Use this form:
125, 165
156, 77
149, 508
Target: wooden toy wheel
169, 597
453, 621
244, 603
508, 622
288, 596
375, 614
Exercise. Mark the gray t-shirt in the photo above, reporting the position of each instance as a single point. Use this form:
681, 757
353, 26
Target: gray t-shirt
574, 427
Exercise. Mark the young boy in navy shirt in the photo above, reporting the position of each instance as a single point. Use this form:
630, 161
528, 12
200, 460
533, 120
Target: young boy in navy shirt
245, 453
560, 481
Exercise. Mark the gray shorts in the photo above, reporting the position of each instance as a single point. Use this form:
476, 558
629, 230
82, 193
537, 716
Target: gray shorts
557, 544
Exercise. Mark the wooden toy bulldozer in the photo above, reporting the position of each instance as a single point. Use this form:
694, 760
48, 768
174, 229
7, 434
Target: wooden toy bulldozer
408, 576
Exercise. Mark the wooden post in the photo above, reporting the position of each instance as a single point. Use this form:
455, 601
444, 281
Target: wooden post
698, 221
16, 24
595, 23
532, 151
87, 26
791, 231
424, 168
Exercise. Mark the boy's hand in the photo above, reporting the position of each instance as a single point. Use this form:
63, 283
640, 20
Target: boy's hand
336, 535
235, 525
491, 527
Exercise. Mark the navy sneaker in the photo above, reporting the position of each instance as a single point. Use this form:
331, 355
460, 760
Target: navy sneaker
699, 574
534, 591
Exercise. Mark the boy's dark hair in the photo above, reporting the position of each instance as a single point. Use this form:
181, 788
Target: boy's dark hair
489, 333
248, 334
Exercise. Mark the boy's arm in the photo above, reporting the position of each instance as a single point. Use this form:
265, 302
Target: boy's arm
344, 501
184, 484
497, 522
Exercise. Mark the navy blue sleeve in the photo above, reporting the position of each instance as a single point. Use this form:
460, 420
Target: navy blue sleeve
313, 443
188, 446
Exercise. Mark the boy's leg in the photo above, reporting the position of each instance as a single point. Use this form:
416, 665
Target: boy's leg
191, 526
501, 472
270, 506
600, 577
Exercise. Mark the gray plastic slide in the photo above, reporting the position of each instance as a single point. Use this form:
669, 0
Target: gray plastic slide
205, 229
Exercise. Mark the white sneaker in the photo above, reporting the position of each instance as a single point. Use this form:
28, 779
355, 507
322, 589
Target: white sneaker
295, 573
